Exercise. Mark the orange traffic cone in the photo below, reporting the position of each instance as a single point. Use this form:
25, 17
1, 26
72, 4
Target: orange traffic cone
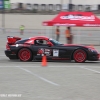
44, 60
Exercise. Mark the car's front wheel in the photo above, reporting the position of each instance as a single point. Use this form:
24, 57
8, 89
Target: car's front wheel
25, 55
80, 56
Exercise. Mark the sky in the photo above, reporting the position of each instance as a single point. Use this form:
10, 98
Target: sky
58, 1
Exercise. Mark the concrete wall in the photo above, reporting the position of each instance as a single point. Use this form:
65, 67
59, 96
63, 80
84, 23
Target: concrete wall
30, 21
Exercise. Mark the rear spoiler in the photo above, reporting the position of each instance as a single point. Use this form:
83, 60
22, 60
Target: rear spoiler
12, 39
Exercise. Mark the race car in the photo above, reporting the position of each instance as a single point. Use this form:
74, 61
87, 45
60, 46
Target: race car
35, 48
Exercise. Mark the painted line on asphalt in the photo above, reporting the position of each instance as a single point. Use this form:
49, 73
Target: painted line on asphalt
91, 70
38, 76
39, 66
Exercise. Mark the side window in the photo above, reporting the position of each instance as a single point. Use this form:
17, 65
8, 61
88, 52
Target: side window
44, 42
40, 42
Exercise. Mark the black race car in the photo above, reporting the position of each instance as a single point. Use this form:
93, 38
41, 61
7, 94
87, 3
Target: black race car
35, 47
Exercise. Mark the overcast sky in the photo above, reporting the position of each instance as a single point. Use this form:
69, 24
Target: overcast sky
57, 1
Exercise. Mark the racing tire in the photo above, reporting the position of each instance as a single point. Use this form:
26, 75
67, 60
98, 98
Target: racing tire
80, 56
25, 55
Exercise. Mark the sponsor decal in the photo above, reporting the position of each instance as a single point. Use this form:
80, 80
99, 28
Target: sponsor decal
91, 24
55, 53
65, 24
42, 51
78, 17
48, 52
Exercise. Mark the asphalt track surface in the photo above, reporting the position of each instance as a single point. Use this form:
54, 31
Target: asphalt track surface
57, 81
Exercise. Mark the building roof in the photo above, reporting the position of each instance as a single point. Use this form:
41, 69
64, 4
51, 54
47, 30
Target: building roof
87, 2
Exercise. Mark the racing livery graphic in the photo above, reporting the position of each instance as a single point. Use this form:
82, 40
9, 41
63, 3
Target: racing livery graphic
35, 47
40, 51
55, 53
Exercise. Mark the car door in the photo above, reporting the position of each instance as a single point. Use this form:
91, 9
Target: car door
40, 49
59, 51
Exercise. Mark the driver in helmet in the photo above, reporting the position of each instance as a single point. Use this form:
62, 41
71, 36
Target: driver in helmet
40, 42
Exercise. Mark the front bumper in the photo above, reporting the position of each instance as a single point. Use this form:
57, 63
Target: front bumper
10, 54
94, 57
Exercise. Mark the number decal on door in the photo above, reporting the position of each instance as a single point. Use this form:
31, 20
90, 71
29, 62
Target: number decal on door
55, 53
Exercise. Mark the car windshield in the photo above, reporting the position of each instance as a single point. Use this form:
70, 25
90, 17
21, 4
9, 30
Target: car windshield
55, 42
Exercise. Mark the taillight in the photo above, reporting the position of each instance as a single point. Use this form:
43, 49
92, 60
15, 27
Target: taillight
7, 47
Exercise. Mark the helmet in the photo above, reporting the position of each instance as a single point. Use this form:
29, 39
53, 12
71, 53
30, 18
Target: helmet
40, 41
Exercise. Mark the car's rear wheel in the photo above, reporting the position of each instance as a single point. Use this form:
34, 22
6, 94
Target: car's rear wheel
80, 56
25, 55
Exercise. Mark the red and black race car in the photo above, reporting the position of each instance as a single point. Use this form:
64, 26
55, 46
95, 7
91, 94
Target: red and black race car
35, 47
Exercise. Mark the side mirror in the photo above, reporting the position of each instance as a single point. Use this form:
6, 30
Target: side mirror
49, 44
